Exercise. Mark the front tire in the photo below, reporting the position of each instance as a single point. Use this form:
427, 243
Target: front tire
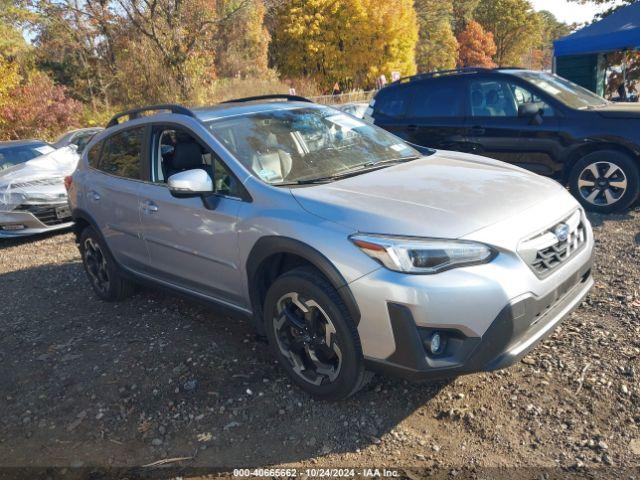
101, 268
605, 181
313, 336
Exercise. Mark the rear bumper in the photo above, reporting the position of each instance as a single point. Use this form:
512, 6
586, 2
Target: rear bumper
521, 324
20, 223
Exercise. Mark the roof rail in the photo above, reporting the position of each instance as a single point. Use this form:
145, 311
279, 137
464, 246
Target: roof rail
277, 96
438, 73
135, 112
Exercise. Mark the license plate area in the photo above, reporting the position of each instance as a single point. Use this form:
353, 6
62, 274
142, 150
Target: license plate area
63, 212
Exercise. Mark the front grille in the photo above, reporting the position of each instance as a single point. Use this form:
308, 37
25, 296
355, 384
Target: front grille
45, 213
548, 250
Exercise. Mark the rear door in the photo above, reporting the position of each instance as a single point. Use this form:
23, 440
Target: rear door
112, 193
436, 115
430, 113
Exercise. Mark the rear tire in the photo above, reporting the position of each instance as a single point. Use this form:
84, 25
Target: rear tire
312, 335
605, 181
101, 268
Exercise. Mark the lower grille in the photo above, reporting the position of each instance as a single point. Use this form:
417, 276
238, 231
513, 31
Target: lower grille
548, 250
46, 213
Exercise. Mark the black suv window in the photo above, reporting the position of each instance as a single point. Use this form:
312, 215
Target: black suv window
500, 98
391, 101
436, 99
123, 153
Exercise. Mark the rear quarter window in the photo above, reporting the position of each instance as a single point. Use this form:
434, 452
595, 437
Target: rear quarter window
122, 154
93, 155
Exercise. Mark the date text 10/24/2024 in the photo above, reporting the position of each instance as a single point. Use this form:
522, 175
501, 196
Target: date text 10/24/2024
316, 472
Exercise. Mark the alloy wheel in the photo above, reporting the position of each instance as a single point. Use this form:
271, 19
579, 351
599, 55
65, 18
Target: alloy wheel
307, 338
602, 183
96, 263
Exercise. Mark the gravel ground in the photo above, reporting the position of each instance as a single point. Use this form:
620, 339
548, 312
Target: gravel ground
84, 382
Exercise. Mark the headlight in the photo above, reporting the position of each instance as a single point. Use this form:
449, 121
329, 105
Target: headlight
422, 255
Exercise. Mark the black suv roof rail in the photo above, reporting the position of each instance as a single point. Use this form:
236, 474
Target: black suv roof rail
437, 73
135, 112
276, 96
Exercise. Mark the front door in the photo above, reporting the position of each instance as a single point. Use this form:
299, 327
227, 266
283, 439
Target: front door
191, 246
499, 128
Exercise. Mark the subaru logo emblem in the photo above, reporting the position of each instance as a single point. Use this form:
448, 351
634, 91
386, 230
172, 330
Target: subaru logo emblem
561, 232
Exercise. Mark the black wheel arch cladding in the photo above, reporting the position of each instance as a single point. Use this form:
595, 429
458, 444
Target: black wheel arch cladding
268, 246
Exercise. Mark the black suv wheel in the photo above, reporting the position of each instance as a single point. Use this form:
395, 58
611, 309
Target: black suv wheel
605, 181
312, 335
101, 268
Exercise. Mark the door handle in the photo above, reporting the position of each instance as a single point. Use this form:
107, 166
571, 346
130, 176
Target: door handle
477, 130
149, 207
412, 128
93, 195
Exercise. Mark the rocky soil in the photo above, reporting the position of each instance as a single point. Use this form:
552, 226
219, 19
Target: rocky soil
89, 383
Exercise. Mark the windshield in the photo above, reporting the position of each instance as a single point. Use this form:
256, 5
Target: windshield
10, 156
305, 143
563, 90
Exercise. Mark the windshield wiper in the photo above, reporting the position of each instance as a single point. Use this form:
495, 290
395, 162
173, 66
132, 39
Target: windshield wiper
355, 170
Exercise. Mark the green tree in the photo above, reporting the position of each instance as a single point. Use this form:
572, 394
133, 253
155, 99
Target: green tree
437, 47
515, 26
463, 12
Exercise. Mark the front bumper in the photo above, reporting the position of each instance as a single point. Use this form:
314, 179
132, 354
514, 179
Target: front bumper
41, 219
515, 331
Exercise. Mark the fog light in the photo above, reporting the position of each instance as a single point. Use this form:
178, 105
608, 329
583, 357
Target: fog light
435, 344
13, 227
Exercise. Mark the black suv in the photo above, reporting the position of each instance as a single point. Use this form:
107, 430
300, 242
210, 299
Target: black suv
535, 120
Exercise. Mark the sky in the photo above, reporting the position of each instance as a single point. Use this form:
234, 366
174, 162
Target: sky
569, 12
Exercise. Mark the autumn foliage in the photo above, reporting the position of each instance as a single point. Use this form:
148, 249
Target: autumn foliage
86, 59
476, 47
37, 108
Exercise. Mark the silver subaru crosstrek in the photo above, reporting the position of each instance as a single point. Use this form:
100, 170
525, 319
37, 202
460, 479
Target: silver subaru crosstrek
349, 249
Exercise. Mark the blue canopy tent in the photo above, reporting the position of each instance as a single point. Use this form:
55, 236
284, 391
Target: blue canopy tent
618, 31
579, 56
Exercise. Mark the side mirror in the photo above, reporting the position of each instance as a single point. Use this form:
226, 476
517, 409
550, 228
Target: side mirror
190, 183
530, 109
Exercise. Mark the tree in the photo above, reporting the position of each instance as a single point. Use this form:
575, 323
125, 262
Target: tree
612, 4
551, 29
37, 108
463, 12
477, 47
243, 42
344, 41
437, 47
515, 27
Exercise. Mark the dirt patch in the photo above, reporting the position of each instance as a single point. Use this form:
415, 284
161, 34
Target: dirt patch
84, 382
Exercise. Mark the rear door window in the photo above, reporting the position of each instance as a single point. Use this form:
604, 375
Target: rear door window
391, 102
440, 98
122, 154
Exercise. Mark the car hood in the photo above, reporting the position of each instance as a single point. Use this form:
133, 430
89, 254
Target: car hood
445, 195
619, 110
